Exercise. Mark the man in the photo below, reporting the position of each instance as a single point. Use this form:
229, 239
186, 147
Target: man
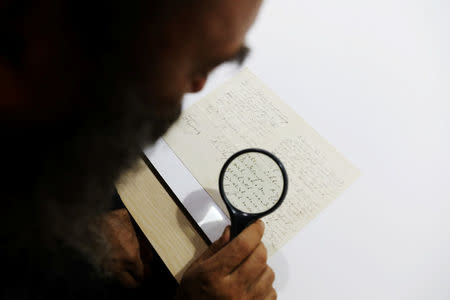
83, 86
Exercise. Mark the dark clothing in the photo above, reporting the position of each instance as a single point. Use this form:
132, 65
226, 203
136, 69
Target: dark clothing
63, 273
66, 275
34, 270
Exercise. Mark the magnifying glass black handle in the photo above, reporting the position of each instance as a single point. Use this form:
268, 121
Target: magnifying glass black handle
249, 181
240, 221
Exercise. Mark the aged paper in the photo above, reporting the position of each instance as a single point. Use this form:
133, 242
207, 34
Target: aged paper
244, 113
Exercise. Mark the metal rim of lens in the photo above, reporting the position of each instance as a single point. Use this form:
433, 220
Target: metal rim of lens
275, 159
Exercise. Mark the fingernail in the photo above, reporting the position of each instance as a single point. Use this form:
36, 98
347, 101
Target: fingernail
226, 230
262, 224
226, 234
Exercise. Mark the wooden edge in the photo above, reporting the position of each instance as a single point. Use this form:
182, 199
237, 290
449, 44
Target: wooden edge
165, 225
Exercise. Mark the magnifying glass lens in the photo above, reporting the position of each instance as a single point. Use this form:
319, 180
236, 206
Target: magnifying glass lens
253, 182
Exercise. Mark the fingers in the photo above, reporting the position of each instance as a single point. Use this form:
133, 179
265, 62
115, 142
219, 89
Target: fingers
272, 295
253, 264
127, 280
235, 269
221, 242
217, 245
236, 251
138, 270
262, 287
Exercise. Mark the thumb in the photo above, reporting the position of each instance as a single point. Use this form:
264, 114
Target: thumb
217, 245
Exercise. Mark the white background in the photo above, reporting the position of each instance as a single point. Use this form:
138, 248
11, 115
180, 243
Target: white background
373, 78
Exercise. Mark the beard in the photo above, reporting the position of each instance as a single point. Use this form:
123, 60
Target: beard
72, 167
61, 172
104, 143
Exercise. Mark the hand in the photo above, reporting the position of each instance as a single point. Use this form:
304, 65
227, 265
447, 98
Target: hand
231, 270
129, 255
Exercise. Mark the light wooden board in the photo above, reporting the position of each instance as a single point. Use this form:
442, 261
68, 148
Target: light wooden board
164, 224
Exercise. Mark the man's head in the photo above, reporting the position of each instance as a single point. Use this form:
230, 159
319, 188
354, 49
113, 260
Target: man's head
155, 50
92, 82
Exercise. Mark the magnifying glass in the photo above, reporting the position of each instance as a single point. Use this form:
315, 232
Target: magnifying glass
253, 183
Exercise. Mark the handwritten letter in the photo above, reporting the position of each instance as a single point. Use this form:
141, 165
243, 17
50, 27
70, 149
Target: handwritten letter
244, 113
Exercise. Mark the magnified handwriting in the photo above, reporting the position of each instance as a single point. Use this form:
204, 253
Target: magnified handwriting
253, 183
